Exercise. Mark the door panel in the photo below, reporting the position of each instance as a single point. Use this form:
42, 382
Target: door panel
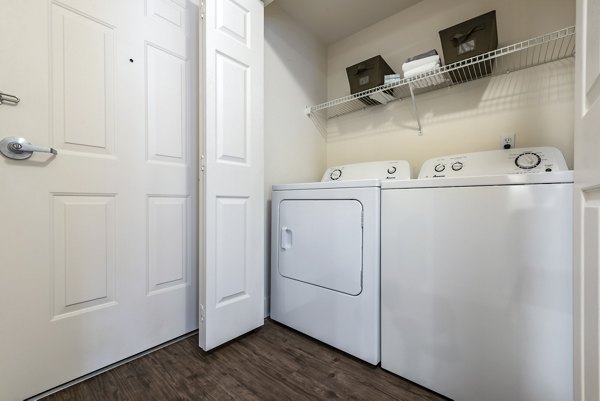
233, 19
166, 82
321, 243
167, 10
232, 228
587, 202
232, 110
233, 268
83, 81
84, 260
168, 243
97, 259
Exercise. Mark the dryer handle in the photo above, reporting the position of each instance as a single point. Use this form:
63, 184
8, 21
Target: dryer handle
286, 238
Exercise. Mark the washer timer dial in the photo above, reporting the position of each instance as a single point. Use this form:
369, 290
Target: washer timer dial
528, 160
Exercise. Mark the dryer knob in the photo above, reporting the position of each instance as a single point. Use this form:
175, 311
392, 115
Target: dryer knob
391, 170
439, 168
335, 174
457, 166
528, 160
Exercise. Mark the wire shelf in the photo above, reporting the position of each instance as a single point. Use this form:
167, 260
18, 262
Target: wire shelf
543, 49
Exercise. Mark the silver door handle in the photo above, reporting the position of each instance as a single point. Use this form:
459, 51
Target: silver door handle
19, 148
6, 98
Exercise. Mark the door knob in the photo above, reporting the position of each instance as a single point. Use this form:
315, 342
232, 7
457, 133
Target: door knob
19, 148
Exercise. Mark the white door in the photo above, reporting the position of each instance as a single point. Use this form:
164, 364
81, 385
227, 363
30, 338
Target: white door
96, 243
587, 202
232, 276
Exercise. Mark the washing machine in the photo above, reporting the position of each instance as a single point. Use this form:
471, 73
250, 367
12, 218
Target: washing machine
325, 256
476, 265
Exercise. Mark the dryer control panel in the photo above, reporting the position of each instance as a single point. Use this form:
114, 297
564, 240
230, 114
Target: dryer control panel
495, 162
382, 170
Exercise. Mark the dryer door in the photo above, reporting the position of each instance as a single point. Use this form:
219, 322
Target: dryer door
320, 243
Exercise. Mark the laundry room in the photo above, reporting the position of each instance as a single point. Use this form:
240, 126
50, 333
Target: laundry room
459, 283
300, 199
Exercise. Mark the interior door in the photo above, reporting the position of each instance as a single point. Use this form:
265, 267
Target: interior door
587, 202
97, 262
233, 181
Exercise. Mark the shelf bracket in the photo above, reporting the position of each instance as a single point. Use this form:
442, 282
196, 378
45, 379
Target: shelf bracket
415, 110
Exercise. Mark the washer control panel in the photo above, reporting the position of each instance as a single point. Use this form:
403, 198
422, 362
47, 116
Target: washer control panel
495, 162
382, 170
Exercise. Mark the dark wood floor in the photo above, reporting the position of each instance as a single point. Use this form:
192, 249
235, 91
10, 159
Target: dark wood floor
272, 363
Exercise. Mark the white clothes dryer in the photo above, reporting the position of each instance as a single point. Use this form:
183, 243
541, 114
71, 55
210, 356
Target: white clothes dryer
477, 276
325, 252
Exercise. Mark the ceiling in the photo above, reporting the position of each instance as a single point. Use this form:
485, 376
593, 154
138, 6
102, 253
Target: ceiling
332, 20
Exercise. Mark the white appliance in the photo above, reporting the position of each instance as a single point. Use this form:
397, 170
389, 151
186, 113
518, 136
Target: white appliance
477, 276
325, 254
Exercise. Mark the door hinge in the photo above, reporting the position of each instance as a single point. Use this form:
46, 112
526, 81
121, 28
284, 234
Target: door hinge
202, 163
202, 10
202, 313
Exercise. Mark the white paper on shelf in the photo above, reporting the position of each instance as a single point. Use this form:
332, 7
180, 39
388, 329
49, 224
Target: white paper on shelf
420, 62
420, 70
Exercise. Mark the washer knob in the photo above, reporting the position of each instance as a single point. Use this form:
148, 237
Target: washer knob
528, 160
456, 166
335, 174
439, 168
391, 170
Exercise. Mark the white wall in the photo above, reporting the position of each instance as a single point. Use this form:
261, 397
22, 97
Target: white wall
295, 77
536, 104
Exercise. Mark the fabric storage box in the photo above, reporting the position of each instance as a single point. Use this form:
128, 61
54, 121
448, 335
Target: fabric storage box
468, 39
368, 74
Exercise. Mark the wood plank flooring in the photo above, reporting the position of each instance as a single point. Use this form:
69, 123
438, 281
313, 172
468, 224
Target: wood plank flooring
272, 363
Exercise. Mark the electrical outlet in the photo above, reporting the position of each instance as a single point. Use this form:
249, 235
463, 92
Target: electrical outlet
507, 141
